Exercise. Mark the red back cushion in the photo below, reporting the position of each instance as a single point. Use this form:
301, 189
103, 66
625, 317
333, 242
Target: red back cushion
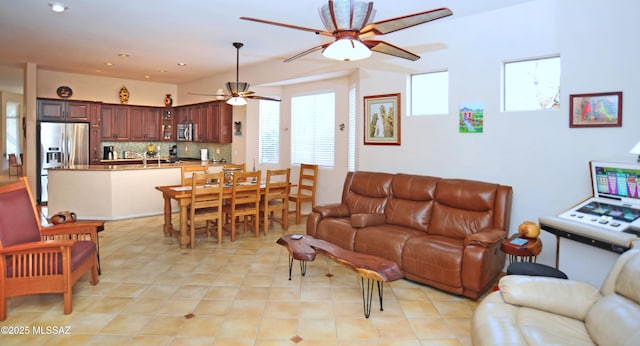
17, 220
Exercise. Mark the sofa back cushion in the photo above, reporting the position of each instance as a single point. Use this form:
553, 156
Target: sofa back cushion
367, 192
411, 201
462, 207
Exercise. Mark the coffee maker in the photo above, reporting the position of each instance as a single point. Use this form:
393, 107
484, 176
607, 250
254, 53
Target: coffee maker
173, 153
107, 152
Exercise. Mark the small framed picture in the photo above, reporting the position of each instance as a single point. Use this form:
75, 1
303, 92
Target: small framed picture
382, 119
596, 110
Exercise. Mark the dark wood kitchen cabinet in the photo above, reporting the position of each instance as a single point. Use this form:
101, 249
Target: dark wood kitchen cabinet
115, 123
212, 121
144, 123
95, 149
63, 110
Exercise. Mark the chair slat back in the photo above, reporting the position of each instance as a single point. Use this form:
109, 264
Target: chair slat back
206, 191
19, 222
245, 188
188, 171
277, 185
308, 179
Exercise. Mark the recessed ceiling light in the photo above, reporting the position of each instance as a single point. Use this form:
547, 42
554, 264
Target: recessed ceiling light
98, 71
163, 71
58, 7
182, 64
123, 55
147, 77
108, 63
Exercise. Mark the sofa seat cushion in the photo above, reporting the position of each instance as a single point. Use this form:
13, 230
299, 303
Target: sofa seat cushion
384, 241
498, 323
338, 231
435, 257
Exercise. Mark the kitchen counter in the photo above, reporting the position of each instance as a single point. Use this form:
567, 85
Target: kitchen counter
132, 166
113, 192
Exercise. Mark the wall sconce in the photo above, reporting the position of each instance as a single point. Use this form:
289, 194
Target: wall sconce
636, 150
237, 125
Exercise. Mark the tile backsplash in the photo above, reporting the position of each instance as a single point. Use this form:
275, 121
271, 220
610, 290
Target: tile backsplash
185, 149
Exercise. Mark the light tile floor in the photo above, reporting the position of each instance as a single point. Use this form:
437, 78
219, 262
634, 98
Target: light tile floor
151, 292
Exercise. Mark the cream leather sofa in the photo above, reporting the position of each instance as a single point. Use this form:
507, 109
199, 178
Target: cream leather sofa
530, 310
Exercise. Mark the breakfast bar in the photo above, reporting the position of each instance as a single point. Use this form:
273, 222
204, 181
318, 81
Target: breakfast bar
112, 192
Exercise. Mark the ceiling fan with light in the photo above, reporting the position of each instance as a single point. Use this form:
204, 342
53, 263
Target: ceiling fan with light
237, 92
350, 22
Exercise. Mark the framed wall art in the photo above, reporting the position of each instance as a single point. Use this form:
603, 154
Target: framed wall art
382, 119
595, 110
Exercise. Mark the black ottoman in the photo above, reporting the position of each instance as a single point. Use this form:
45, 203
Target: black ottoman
534, 269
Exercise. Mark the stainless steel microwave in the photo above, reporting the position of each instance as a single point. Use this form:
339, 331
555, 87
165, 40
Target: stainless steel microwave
186, 132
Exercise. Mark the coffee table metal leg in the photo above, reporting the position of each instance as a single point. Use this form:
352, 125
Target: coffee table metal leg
303, 267
367, 295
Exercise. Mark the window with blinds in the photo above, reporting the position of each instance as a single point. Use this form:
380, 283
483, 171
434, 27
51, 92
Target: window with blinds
313, 129
351, 163
269, 143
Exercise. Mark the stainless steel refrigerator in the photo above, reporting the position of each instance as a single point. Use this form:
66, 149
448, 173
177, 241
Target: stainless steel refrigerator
60, 145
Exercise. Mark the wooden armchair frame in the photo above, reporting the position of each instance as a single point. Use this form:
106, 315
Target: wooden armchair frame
36, 259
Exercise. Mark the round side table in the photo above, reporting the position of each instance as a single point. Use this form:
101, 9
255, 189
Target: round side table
521, 253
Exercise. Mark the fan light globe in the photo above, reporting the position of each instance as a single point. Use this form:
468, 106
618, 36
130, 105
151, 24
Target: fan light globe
347, 50
237, 101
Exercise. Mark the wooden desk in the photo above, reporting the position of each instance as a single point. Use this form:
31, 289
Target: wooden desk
526, 252
182, 194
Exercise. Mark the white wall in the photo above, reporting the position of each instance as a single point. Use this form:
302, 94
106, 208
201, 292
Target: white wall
104, 89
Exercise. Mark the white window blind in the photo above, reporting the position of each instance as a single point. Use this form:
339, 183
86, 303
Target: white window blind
313, 129
269, 142
351, 163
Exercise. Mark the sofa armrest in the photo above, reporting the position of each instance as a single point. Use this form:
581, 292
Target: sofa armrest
485, 238
364, 220
559, 296
332, 210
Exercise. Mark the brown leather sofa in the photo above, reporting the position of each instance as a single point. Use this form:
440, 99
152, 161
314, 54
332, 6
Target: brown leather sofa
445, 233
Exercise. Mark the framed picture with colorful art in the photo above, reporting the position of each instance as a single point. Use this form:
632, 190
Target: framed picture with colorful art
382, 119
595, 110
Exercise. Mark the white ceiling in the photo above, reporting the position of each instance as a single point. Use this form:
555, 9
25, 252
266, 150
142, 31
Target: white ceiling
158, 34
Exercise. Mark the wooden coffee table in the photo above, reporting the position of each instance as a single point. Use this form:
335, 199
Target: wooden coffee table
373, 268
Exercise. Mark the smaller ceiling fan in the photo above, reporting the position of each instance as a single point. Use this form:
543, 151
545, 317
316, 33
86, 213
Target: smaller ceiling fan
237, 92
350, 22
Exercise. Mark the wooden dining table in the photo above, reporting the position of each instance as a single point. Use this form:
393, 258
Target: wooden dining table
182, 194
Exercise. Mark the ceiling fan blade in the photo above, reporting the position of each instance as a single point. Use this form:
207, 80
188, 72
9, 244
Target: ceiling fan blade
308, 51
256, 97
202, 94
319, 32
399, 23
387, 48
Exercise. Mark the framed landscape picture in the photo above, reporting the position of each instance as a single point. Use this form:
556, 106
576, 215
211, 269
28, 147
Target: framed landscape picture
382, 119
596, 110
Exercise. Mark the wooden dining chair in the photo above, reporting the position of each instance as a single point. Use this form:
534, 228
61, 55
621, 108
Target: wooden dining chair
13, 163
276, 199
206, 204
36, 259
245, 201
188, 171
306, 189
240, 166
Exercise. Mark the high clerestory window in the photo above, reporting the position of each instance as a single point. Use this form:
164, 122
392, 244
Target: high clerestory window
532, 84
